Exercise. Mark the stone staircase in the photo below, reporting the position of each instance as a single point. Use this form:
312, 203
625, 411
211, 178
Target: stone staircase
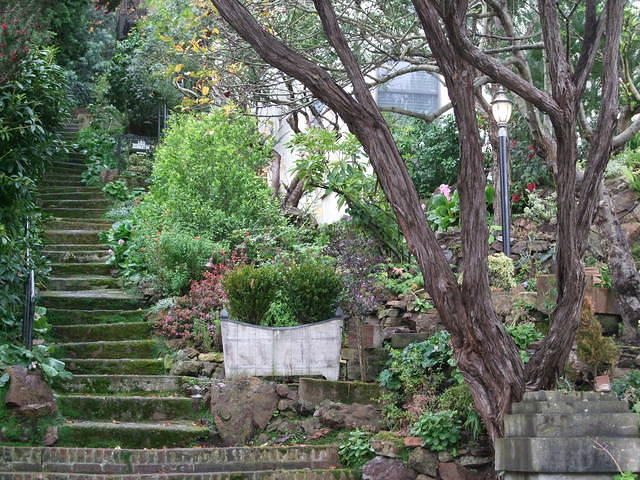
561, 436
235, 463
119, 395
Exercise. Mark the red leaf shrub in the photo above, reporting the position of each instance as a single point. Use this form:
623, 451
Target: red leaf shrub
201, 305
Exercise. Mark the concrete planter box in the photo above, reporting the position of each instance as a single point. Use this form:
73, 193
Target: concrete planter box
252, 350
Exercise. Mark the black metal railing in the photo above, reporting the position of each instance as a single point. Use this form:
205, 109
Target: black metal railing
29, 297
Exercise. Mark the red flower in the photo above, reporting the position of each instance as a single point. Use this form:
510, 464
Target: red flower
4, 26
531, 186
515, 198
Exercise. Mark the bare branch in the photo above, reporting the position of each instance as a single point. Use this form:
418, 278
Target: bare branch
626, 135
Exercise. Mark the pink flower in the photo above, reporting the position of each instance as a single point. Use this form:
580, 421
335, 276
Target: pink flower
445, 190
4, 26
515, 198
531, 186
110, 252
121, 242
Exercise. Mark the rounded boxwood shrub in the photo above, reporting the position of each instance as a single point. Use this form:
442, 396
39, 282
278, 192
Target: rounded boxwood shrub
305, 292
312, 289
250, 291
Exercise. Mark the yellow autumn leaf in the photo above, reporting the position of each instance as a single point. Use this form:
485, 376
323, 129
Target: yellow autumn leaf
205, 90
215, 31
178, 67
178, 48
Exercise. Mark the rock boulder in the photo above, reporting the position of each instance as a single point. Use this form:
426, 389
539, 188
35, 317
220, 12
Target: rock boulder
28, 394
242, 406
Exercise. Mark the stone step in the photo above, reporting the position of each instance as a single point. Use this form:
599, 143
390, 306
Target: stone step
54, 182
126, 384
76, 247
103, 332
110, 366
304, 474
64, 269
63, 189
75, 163
73, 169
88, 195
63, 176
59, 316
555, 396
75, 236
75, 212
571, 425
179, 461
131, 435
103, 299
107, 349
571, 407
567, 455
129, 408
76, 203
100, 224
86, 282
88, 256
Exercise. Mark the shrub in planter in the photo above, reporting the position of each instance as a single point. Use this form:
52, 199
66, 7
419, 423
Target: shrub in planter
312, 289
251, 291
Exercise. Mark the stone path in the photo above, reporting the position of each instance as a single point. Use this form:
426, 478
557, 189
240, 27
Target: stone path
119, 395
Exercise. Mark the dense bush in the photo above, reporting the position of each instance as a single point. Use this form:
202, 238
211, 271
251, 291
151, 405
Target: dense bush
302, 292
32, 107
440, 431
356, 450
430, 151
251, 290
312, 289
205, 178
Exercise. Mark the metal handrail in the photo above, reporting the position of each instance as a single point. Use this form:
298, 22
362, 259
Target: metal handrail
29, 298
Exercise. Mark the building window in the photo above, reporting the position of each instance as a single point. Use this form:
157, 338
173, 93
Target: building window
415, 91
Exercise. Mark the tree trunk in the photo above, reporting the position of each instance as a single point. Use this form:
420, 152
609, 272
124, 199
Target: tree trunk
626, 280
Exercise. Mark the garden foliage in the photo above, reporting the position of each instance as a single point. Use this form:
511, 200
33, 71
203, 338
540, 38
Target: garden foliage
32, 106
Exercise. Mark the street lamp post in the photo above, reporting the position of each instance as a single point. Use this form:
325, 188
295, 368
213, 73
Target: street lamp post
501, 108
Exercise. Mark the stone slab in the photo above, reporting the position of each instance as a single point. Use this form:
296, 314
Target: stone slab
312, 392
571, 425
401, 340
567, 455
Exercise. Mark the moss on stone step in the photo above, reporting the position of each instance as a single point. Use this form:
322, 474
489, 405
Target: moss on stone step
63, 269
127, 409
104, 332
103, 299
72, 236
89, 256
107, 349
83, 203
131, 435
128, 366
89, 317
72, 247
127, 384
84, 282
75, 212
